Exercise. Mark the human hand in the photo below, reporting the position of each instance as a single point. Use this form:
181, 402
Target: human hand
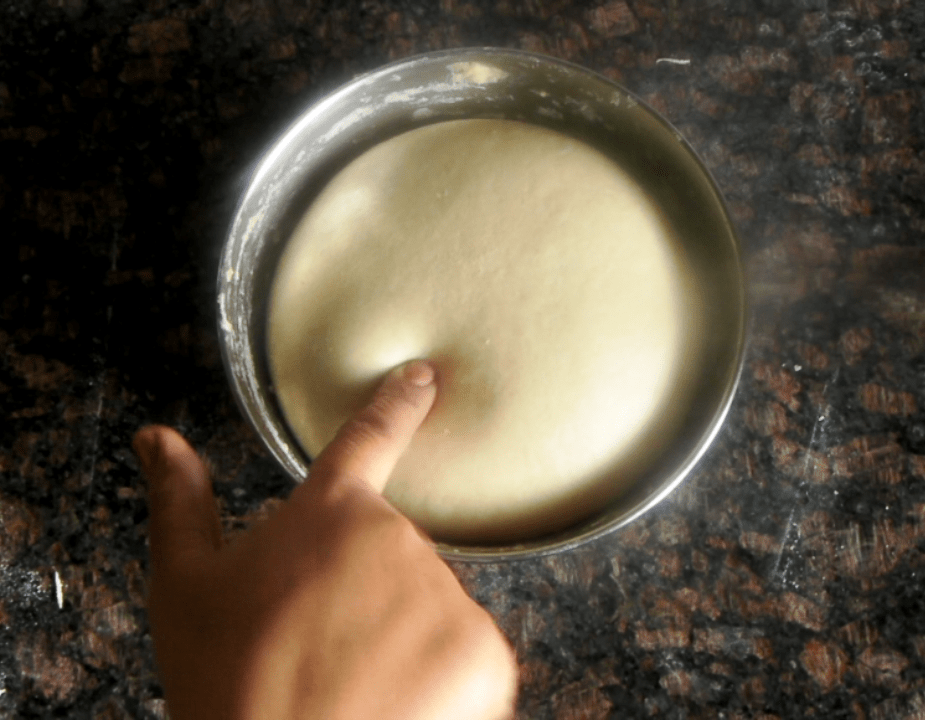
334, 608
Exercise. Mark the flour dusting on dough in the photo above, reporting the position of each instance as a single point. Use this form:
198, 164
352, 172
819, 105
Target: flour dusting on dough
475, 73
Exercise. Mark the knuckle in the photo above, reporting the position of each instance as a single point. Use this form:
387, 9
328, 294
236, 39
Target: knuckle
338, 493
401, 393
483, 658
495, 661
162, 494
353, 509
405, 534
371, 424
390, 401
390, 529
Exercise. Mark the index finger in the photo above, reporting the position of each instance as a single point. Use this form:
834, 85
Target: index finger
369, 445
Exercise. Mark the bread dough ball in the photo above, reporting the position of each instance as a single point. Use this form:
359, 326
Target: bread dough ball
542, 282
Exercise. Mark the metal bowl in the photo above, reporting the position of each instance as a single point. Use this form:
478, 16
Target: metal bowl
487, 83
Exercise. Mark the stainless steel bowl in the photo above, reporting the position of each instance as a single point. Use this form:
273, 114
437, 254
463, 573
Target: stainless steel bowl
487, 83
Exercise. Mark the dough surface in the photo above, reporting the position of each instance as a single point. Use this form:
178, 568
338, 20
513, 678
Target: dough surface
539, 278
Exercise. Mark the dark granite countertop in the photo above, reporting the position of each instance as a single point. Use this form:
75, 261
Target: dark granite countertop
784, 579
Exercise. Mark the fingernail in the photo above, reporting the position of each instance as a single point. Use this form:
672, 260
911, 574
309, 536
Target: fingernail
419, 373
147, 447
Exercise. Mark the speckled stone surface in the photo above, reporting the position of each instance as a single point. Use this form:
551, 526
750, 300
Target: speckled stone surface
785, 579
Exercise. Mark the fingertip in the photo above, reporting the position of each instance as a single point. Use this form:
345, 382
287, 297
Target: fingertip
419, 373
160, 448
405, 396
147, 448
414, 382
370, 444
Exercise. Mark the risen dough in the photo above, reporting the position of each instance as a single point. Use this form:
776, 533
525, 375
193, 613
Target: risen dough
543, 283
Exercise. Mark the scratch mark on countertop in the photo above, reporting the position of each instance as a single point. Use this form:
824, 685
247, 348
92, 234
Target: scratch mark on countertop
95, 443
59, 590
819, 433
101, 383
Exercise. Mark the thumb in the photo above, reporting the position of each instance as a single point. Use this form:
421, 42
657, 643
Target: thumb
184, 522
370, 444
